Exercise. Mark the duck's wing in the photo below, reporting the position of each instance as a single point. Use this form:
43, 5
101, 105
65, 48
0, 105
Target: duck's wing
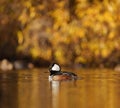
69, 73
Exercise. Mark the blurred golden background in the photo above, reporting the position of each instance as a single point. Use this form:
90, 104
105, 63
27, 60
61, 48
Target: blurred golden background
85, 32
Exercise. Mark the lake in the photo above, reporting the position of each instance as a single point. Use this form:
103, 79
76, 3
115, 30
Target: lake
95, 88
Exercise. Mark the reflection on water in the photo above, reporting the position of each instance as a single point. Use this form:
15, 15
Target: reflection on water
55, 93
32, 89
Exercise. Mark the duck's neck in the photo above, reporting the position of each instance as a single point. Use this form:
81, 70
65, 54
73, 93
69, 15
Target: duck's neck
54, 72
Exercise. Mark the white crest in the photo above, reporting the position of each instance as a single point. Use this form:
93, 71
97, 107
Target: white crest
56, 67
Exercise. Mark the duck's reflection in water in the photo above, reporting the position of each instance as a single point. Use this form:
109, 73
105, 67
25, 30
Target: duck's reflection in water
55, 87
60, 91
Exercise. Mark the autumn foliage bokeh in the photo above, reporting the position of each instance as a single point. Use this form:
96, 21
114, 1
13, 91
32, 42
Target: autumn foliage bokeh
66, 31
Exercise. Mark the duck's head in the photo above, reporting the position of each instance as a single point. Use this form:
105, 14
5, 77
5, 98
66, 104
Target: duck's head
54, 68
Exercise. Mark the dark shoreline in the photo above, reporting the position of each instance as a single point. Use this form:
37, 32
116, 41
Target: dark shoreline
17, 64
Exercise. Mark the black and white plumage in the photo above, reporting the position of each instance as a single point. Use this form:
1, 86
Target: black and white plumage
57, 74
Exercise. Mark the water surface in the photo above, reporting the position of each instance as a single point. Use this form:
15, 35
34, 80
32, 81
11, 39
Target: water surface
98, 88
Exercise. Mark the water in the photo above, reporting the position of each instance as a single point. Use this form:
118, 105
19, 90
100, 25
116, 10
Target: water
31, 89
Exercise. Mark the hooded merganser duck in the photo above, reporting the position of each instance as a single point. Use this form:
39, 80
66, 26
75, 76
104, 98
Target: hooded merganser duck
57, 75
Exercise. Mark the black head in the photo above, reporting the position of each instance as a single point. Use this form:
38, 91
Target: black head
54, 68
